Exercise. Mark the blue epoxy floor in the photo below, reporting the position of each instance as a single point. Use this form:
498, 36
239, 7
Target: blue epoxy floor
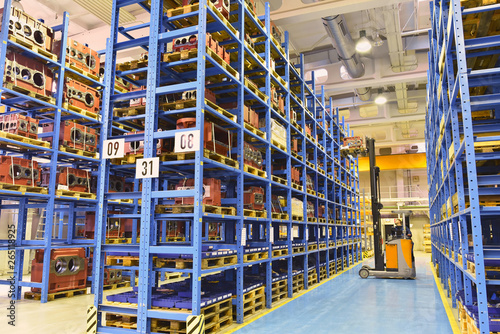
349, 304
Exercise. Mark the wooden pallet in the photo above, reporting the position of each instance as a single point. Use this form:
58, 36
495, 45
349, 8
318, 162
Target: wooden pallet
297, 156
255, 213
320, 195
279, 145
126, 261
124, 284
251, 257
297, 187
311, 192
127, 159
298, 249
132, 65
82, 72
297, 218
29, 45
312, 247
255, 131
322, 220
207, 263
55, 295
310, 165
279, 180
23, 140
280, 252
77, 151
23, 189
74, 194
322, 246
206, 153
253, 301
471, 266
279, 216
116, 240
81, 111
311, 220
312, 279
218, 210
255, 171
253, 88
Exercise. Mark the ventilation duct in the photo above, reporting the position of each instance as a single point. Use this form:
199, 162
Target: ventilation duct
342, 41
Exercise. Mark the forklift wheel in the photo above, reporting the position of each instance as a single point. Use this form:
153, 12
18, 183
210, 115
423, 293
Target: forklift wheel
364, 273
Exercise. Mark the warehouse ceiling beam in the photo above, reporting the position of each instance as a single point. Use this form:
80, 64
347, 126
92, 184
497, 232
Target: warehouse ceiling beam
296, 11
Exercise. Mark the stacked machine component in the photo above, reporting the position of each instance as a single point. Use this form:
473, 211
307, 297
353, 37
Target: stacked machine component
215, 155
462, 159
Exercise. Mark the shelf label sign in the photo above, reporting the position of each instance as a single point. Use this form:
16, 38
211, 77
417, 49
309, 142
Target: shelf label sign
244, 236
113, 148
147, 168
295, 232
187, 141
271, 234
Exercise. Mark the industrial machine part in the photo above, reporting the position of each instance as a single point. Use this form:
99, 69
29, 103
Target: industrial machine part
309, 182
27, 28
19, 171
250, 116
74, 135
321, 211
191, 42
399, 261
222, 6
211, 191
278, 101
252, 156
120, 83
250, 41
80, 56
141, 101
278, 132
28, 73
275, 32
115, 227
251, 5
112, 276
137, 146
310, 209
68, 269
297, 207
352, 145
79, 95
278, 203
175, 229
216, 138
253, 198
68, 178
295, 145
116, 184
20, 125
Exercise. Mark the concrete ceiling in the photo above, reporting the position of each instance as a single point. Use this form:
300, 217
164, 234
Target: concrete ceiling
398, 67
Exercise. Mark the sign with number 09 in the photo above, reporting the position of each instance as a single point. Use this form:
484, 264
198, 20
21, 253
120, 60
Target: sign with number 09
187, 141
147, 168
113, 148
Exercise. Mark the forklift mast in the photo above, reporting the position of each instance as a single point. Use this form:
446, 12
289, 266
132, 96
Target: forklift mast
376, 205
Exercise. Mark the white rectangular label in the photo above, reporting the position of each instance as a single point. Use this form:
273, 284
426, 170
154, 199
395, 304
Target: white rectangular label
147, 168
187, 141
62, 187
113, 148
451, 231
244, 236
295, 232
271, 234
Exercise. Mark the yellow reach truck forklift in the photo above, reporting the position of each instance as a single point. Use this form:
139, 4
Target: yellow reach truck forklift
399, 260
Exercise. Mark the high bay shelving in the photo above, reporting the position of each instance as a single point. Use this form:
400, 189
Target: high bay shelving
320, 242
323, 244
60, 213
461, 139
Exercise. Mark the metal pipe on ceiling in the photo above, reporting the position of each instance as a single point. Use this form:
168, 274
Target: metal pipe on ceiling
342, 41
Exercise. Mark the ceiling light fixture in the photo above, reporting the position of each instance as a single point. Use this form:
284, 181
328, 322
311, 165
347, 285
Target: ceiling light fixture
380, 99
377, 41
17, 4
363, 44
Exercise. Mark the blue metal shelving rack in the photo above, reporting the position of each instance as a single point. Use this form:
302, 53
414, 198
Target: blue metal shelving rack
52, 204
336, 192
458, 174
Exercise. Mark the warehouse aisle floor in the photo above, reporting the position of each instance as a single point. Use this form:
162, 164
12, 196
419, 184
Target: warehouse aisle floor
349, 304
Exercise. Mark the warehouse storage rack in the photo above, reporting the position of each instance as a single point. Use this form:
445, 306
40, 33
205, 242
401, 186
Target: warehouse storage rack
285, 251
60, 211
462, 142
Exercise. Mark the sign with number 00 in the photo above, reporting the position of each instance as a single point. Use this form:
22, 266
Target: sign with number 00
147, 168
114, 148
187, 141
